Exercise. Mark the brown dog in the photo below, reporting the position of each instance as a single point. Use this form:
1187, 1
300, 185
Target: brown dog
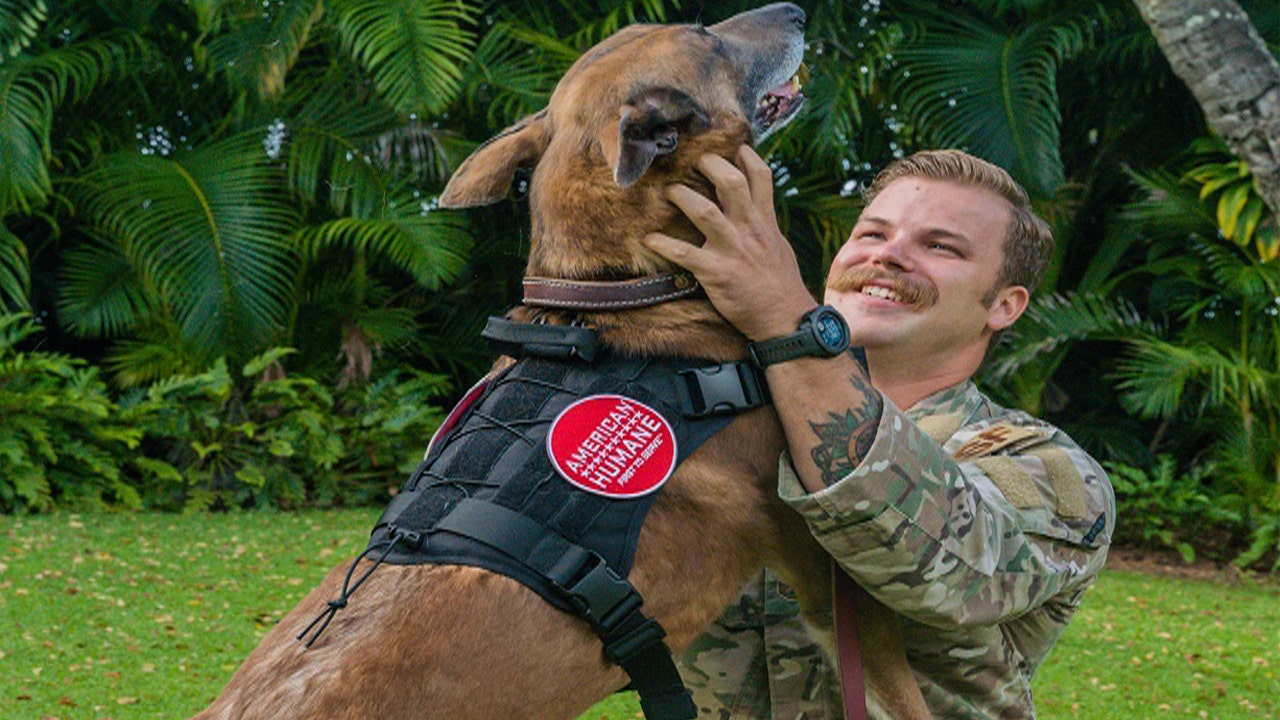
425, 641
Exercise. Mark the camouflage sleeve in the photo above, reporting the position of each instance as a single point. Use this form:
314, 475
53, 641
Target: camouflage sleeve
949, 542
725, 668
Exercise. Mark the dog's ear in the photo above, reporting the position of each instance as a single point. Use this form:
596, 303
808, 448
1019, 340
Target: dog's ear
651, 124
486, 175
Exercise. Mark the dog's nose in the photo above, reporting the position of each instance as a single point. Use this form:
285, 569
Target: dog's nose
795, 15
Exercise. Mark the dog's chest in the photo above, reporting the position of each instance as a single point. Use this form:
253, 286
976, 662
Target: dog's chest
517, 448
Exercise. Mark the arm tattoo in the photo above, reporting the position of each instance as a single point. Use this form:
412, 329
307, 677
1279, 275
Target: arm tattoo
846, 439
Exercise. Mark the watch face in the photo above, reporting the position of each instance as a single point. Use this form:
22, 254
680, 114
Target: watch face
832, 331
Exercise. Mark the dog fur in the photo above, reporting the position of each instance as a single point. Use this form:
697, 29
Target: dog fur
630, 116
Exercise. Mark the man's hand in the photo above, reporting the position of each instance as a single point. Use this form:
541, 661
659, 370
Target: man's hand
746, 266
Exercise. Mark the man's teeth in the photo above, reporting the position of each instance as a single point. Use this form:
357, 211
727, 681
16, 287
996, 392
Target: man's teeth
879, 292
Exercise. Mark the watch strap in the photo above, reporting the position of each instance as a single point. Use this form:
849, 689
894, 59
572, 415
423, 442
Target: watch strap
804, 342
776, 350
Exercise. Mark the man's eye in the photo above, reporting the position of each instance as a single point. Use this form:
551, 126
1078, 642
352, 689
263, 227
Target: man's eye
945, 248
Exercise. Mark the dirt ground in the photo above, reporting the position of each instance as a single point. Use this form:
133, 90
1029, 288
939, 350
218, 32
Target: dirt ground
1171, 564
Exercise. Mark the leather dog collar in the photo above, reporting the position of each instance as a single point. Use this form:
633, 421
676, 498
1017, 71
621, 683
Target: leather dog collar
609, 295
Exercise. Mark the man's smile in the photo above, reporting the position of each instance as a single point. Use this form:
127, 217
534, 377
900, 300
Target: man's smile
882, 293
881, 288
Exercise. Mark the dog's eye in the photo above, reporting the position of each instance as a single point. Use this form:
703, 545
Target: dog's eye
700, 29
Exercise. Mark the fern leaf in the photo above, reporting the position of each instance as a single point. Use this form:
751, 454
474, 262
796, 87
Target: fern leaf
15, 274
208, 231
264, 43
415, 49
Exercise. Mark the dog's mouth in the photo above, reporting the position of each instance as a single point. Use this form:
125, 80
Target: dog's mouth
778, 106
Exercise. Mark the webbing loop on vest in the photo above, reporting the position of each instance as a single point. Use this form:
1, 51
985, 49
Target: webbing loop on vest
609, 603
558, 342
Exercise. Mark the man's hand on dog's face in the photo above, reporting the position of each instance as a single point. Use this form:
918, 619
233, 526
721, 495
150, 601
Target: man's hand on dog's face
746, 265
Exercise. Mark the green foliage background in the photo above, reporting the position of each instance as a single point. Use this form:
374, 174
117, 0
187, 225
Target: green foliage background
225, 282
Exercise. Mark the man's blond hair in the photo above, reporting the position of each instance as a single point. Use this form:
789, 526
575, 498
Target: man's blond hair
1028, 243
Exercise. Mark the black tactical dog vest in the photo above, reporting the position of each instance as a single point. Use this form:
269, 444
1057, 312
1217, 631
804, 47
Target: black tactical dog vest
493, 493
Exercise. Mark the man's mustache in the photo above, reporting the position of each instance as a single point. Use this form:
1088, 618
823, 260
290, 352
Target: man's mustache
915, 293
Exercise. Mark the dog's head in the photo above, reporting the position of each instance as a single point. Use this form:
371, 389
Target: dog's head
632, 114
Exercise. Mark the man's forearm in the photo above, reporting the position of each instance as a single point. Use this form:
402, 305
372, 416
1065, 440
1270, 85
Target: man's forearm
829, 412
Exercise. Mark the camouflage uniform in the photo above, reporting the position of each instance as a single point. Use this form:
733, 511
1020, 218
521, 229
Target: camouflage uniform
984, 545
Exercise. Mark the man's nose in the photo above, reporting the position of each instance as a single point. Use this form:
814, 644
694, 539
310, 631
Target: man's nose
890, 253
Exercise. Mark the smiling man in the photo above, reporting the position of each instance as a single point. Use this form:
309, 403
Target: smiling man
981, 526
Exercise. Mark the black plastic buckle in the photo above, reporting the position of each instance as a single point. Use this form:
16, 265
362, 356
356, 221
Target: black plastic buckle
602, 597
720, 389
557, 342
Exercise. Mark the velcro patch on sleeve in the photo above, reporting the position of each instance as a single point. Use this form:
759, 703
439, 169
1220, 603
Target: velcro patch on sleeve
940, 427
997, 438
1064, 476
1012, 480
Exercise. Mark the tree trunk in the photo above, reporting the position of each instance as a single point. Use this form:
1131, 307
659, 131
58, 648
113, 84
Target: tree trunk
1214, 49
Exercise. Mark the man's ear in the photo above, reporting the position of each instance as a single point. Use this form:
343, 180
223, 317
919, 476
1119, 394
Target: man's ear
486, 175
1009, 305
651, 124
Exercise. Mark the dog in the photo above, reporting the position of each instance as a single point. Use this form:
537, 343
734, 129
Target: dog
633, 114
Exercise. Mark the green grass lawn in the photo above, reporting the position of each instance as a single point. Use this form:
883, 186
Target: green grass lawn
146, 616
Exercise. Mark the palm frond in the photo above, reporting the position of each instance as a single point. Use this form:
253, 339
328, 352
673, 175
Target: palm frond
571, 24
966, 83
817, 220
430, 246
26, 116
208, 230
510, 77
264, 43
30, 89
15, 273
101, 293
1155, 375
618, 13
1233, 273
345, 147
330, 142
1167, 207
450, 339
530, 45
1054, 321
389, 327
425, 153
20, 22
160, 353
841, 85
415, 49
14, 328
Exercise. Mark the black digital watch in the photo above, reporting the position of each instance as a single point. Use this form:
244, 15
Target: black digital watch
822, 333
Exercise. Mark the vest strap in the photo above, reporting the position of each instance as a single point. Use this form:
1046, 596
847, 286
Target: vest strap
609, 603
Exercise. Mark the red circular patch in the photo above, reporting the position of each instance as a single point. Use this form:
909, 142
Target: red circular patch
613, 446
